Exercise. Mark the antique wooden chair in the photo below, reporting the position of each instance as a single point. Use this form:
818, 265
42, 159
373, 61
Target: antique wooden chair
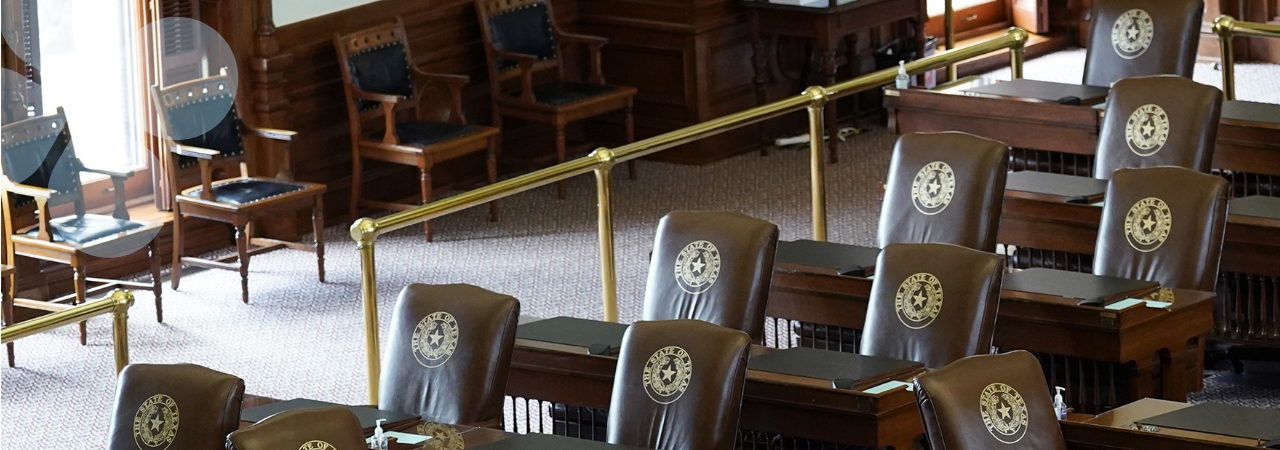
520, 39
6, 301
381, 84
41, 171
205, 136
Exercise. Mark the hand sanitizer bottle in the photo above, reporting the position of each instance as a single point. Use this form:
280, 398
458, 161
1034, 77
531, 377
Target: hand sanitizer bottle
903, 80
1059, 406
379, 439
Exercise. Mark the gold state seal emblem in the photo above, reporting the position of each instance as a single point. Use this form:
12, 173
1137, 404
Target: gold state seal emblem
697, 267
434, 339
1147, 130
667, 373
1147, 224
1132, 33
933, 188
156, 423
443, 437
1004, 413
317, 445
919, 300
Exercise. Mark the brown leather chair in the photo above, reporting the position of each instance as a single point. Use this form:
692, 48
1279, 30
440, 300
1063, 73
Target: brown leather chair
329, 428
932, 303
1134, 38
928, 173
1163, 224
712, 266
178, 406
448, 354
679, 386
1146, 126
987, 402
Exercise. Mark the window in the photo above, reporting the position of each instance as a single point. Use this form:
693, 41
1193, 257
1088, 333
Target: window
89, 66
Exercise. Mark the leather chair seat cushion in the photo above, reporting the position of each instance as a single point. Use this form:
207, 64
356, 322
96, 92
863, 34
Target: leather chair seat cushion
424, 133
81, 230
566, 92
525, 30
382, 70
243, 192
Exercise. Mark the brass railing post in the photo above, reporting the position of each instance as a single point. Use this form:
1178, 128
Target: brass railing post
604, 208
949, 31
364, 231
120, 326
1224, 27
818, 97
1017, 53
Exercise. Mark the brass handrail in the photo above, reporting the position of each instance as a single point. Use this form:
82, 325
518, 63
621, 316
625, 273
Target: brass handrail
1228, 27
365, 231
117, 303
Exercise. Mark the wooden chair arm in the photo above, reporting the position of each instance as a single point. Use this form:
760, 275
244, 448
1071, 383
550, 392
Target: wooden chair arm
388, 111
446, 78
377, 97
117, 184
194, 152
27, 190
593, 44
112, 174
455, 84
273, 133
526, 62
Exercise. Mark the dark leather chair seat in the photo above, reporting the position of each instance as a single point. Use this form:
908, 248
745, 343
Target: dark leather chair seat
566, 92
424, 133
245, 191
81, 230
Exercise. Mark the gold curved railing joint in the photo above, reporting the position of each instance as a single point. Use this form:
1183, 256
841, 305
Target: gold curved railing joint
117, 303
1227, 28
365, 231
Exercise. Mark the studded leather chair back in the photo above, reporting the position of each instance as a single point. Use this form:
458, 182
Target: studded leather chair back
520, 26
178, 406
202, 113
679, 386
376, 60
1146, 126
989, 401
39, 152
945, 188
1163, 224
712, 266
448, 353
1134, 38
932, 303
329, 428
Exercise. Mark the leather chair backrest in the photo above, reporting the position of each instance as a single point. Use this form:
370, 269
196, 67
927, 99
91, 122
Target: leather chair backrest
989, 402
178, 406
448, 353
1158, 121
945, 188
712, 266
39, 152
679, 386
377, 60
328, 428
1163, 224
524, 29
932, 303
202, 113
1134, 38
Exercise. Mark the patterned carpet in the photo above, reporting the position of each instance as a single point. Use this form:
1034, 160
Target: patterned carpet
301, 338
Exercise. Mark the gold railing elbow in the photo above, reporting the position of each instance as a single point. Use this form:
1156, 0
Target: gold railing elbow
605, 158
818, 96
1020, 36
1224, 25
364, 231
123, 300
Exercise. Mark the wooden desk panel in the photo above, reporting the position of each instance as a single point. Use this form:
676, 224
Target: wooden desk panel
1113, 430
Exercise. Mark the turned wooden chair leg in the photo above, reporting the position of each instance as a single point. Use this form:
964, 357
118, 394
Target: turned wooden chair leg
242, 246
175, 272
561, 155
424, 170
317, 224
82, 288
355, 187
631, 137
6, 312
153, 252
492, 162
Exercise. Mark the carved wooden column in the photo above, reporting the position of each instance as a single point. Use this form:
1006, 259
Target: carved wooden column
266, 90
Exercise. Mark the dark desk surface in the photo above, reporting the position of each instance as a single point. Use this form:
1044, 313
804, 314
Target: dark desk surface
449, 437
1116, 429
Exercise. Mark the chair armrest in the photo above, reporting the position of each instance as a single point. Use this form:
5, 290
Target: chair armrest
30, 191
112, 174
376, 97
194, 152
526, 62
593, 43
449, 79
455, 84
273, 133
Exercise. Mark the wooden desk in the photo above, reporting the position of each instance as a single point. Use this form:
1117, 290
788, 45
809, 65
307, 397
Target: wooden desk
827, 24
1130, 354
1114, 430
773, 404
1057, 138
449, 437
